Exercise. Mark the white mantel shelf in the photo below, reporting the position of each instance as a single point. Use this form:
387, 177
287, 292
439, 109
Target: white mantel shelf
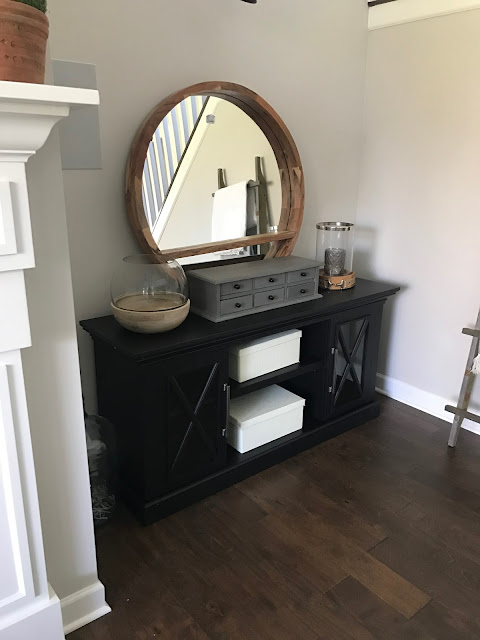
45, 94
37, 108
28, 113
28, 607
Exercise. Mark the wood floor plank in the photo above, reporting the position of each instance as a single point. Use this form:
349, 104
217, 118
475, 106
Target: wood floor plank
361, 452
465, 571
396, 493
259, 544
428, 565
430, 425
433, 622
343, 484
203, 593
444, 624
301, 596
161, 544
331, 622
232, 602
141, 605
207, 596
450, 523
365, 493
288, 558
388, 585
413, 433
420, 550
383, 621
265, 615
297, 497
297, 560
236, 506
449, 483
452, 472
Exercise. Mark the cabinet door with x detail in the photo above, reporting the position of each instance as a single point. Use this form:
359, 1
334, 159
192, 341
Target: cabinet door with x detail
355, 357
197, 416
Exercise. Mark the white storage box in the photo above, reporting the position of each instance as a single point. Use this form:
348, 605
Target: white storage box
258, 357
263, 416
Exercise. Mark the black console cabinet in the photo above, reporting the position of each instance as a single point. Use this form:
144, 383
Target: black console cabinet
168, 394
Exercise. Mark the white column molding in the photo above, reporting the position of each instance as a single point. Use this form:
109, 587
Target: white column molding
402, 11
18, 564
28, 606
28, 113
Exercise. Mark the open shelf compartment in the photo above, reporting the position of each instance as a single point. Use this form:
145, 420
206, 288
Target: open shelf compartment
274, 377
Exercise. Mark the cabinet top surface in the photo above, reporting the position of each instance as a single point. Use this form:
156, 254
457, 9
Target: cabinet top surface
243, 271
197, 332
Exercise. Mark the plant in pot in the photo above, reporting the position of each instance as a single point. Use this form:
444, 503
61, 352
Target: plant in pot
23, 40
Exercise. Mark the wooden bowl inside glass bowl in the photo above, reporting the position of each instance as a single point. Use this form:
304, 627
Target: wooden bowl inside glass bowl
150, 315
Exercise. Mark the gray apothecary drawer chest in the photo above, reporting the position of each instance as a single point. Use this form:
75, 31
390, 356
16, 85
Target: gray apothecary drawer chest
235, 290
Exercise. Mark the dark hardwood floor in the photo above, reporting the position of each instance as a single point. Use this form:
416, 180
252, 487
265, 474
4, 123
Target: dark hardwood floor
372, 535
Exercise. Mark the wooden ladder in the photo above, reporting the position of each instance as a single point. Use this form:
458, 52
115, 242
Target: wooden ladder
461, 410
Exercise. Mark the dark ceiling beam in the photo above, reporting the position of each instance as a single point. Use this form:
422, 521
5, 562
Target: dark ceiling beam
373, 3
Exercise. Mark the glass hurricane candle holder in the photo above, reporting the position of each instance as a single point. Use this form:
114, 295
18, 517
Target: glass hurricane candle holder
335, 242
335, 247
148, 296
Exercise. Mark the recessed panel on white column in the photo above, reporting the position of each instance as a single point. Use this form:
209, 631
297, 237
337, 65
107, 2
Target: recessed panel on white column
8, 242
14, 324
15, 573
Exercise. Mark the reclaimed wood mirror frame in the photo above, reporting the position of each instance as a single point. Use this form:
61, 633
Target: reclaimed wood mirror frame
286, 154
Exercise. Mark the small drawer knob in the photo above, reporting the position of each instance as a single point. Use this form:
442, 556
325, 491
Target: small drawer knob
304, 274
271, 297
303, 291
237, 286
271, 279
238, 305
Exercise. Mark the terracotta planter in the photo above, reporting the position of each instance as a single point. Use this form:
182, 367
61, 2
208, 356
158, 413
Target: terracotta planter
23, 42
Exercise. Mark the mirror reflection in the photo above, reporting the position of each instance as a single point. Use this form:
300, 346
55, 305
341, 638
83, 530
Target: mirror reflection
210, 175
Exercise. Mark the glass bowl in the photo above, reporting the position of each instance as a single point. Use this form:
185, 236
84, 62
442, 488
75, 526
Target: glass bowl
148, 296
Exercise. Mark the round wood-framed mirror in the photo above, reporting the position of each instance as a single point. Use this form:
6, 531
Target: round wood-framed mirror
150, 162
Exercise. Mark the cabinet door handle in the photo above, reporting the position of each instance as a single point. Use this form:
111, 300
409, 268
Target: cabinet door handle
303, 291
303, 274
271, 297
334, 374
238, 305
271, 280
237, 286
227, 390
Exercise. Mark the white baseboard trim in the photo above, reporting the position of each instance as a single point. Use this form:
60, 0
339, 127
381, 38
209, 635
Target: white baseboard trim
395, 13
420, 399
84, 607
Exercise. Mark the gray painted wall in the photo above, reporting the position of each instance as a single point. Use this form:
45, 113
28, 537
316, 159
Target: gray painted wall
306, 58
419, 205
